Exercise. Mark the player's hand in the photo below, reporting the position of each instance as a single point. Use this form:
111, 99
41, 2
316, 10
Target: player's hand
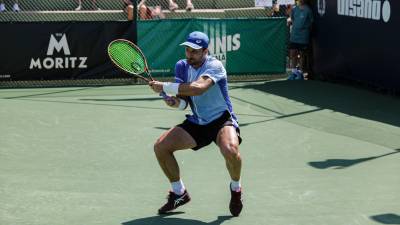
156, 86
172, 101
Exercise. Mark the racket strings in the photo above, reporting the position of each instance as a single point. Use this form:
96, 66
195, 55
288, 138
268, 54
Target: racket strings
127, 57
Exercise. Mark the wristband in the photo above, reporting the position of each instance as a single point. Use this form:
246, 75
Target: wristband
171, 88
182, 104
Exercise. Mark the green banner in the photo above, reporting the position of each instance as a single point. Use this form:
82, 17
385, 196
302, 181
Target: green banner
245, 46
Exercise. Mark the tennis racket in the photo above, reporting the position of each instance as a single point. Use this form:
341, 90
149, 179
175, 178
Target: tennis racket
128, 57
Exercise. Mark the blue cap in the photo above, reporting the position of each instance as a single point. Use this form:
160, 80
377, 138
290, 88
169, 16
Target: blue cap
196, 40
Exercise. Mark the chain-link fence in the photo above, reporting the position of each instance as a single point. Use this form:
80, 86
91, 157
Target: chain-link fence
111, 10
210, 9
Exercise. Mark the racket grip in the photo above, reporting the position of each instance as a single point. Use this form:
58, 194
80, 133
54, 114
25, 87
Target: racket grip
164, 95
167, 98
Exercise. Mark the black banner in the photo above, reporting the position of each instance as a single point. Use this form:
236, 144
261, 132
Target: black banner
358, 40
60, 50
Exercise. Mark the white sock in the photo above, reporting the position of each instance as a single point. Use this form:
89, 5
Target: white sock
178, 187
236, 186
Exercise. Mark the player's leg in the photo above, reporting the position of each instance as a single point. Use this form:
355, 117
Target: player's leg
172, 140
228, 143
172, 5
79, 5
94, 5
296, 59
2, 6
16, 6
292, 58
304, 59
189, 5
143, 11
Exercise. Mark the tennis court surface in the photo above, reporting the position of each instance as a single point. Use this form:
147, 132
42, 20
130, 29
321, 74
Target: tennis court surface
314, 154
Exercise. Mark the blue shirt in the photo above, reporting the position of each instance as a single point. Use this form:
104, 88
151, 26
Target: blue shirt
215, 101
302, 19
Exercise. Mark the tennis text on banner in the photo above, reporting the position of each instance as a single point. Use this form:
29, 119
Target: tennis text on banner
220, 42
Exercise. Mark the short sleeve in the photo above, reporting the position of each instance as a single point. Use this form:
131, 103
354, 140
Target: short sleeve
215, 70
180, 71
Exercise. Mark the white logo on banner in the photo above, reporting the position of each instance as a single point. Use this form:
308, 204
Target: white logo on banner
220, 42
58, 45
321, 7
367, 9
58, 62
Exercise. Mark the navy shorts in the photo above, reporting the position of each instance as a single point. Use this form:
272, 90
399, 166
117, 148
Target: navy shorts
205, 134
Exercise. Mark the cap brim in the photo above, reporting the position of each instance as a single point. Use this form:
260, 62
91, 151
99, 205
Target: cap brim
190, 44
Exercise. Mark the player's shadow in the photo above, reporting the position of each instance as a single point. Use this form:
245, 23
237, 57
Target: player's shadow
165, 220
388, 218
51, 93
345, 163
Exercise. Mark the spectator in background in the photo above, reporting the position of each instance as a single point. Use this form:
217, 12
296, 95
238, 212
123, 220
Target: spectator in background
289, 8
15, 6
80, 5
145, 12
300, 20
276, 10
173, 6
280, 10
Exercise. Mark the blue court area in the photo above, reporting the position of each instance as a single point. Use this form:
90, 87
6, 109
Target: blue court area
314, 154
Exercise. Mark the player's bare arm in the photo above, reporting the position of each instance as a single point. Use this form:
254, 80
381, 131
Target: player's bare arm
195, 88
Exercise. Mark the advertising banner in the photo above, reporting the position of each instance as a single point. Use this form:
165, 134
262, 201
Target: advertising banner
245, 46
66, 50
59, 50
358, 40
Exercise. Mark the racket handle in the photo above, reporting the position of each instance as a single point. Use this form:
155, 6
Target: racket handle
166, 97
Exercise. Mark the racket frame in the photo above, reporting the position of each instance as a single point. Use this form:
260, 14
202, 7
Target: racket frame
138, 75
146, 67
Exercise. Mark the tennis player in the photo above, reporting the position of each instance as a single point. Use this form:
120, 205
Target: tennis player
201, 83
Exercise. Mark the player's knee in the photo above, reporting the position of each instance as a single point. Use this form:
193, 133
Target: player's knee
159, 148
230, 151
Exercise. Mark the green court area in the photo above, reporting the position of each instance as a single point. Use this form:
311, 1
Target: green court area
314, 154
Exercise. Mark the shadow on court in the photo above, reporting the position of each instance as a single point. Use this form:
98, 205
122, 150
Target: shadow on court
345, 163
339, 98
279, 117
388, 218
121, 99
162, 128
164, 220
51, 93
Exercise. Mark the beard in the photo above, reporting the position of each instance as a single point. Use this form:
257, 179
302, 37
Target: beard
195, 63
192, 61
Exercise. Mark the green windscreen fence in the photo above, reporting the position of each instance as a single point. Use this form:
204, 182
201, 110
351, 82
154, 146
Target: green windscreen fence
245, 46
